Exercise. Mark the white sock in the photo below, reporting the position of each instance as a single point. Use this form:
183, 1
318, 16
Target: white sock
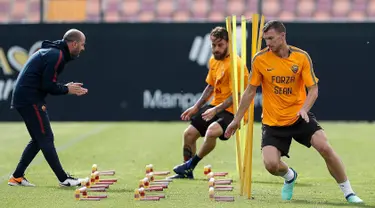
289, 175
346, 188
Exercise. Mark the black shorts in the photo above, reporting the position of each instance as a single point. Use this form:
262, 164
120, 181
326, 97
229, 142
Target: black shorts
281, 136
222, 118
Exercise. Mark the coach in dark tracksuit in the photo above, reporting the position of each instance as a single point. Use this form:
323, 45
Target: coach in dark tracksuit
38, 79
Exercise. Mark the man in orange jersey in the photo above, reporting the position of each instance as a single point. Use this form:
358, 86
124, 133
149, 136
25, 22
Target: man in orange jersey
284, 71
210, 120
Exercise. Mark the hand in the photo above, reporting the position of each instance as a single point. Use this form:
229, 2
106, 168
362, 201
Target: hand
185, 116
304, 115
74, 83
209, 114
76, 89
231, 129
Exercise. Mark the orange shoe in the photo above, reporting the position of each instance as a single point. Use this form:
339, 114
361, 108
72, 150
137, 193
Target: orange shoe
21, 181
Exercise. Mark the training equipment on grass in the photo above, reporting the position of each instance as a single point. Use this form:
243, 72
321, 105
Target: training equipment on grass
212, 182
96, 179
140, 196
213, 179
155, 188
224, 198
151, 179
219, 185
144, 183
97, 189
150, 184
94, 169
150, 169
150, 176
224, 188
85, 196
95, 183
87, 183
208, 172
244, 136
142, 192
107, 173
213, 197
207, 169
164, 185
163, 180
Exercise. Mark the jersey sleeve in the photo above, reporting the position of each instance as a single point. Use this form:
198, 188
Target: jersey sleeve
49, 82
308, 74
255, 75
210, 79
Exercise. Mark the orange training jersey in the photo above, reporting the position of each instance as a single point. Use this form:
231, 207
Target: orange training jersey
283, 83
220, 78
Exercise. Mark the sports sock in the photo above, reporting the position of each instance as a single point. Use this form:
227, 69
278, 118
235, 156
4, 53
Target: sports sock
346, 188
289, 176
194, 162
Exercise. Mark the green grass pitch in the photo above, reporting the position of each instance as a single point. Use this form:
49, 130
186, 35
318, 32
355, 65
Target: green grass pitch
128, 147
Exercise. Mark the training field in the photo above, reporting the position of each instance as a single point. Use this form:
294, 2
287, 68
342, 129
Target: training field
129, 147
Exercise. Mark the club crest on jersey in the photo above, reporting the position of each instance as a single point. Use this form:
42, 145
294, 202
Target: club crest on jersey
294, 68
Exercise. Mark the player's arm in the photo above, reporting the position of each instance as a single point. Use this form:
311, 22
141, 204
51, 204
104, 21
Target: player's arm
208, 91
205, 96
311, 97
255, 80
49, 82
229, 101
224, 105
311, 82
246, 99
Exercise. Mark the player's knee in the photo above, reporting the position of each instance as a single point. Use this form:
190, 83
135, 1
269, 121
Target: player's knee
214, 131
320, 143
271, 166
190, 135
325, 149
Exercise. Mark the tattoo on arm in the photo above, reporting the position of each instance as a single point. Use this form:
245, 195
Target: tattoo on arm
205, 95
224, 105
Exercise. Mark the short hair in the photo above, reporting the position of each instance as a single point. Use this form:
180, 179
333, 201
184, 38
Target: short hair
276, 25
220, 32
72, 35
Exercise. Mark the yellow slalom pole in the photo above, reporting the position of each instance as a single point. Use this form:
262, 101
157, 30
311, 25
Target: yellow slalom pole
235, 87
233, 67
249, 135
243, 129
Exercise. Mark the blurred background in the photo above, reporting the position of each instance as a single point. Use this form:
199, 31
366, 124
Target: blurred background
37, 11
146, 60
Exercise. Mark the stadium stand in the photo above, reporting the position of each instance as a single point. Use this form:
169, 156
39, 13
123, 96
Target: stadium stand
28, 11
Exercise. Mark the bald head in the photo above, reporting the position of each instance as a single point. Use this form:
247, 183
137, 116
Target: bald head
74, 35
76, 41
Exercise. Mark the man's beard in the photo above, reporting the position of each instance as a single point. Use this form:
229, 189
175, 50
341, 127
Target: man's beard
75, 54
222, 55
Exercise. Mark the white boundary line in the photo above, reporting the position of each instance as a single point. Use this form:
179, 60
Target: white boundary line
40, 158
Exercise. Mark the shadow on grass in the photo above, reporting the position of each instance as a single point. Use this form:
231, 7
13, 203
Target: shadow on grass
338, 204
